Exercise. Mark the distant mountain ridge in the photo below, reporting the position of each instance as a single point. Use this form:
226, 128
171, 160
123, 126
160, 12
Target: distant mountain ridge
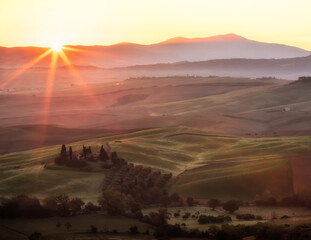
173, 50
287, 68
230, 36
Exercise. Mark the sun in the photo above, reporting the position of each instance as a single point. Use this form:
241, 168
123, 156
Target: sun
57, 47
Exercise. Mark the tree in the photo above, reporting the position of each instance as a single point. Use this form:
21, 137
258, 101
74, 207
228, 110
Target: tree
114, 156
93, 229
63, 153
90, 208
190, 201
62, 202
135, 207
68, 225
165, 200
22, 206
59, 204
231, 206
36, 236
103, 156
155, 219
158, 218
75, 205
70, 153
50, 203
164, 214
84, 151
10, 209
58, 160
213, 203
115, 202
134, 229
175, 197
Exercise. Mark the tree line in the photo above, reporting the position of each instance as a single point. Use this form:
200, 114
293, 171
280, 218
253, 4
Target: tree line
301, 199
22, 206
79, 159
259, 231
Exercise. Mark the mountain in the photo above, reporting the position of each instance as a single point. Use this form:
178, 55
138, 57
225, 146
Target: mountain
226, 37
172, 50
287, 68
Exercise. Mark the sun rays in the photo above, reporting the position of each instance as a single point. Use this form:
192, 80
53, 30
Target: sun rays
24, 68
56, 53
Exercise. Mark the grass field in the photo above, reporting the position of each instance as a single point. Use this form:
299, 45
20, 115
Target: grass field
295, 214
24, 173
203, 164
25, 137
234, 106
17, 229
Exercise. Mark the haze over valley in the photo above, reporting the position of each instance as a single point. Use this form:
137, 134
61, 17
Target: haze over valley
191, 137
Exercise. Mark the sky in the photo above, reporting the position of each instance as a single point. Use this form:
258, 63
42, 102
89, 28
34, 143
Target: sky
104, 22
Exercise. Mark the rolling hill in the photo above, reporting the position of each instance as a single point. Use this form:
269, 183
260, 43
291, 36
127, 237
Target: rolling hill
219, 136
35, 78
287, 68
203, 164
240, 106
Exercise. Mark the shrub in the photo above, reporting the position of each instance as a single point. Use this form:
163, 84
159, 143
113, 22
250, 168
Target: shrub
76, 164
93, 229
23, 206
176, 214
134, 230
246, 216
190, 201
90, 208
203, 219
231, 206
213, 203
36, 236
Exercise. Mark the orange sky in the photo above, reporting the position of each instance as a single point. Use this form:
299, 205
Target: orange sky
103, 22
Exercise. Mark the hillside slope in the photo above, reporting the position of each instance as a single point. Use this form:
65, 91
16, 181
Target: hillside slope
203, 164
286, 68
240, 106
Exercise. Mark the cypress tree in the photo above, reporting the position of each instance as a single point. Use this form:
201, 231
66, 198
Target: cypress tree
63, 152
70, 153
84, 151
103, 156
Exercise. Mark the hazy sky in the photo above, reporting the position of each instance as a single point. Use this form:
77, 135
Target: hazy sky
46, 22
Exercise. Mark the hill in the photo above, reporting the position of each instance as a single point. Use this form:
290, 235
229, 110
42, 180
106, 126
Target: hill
203, 164
34, 78
24, 137
287, 68
239, 106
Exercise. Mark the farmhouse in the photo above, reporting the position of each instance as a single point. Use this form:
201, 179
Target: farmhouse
286, 109
79, 159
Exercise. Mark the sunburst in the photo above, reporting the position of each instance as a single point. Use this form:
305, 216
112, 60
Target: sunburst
57, 47
57, 51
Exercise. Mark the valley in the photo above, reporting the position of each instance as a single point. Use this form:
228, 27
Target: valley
171, 131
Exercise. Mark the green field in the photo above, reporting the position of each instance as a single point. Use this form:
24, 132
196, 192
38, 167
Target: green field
204, 165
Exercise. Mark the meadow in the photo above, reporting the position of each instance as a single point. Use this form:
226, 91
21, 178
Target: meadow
203, 165
295, 215
19, 229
